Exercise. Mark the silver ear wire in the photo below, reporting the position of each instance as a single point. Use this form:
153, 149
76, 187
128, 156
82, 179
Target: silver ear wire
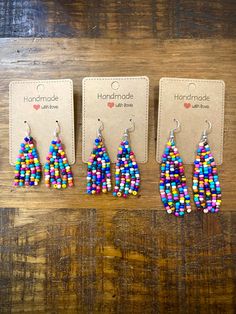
101, 128
57, 129
172, 131
206, 131
27, 130
128, 130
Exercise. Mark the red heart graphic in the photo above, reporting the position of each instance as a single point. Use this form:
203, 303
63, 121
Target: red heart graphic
187, 105
36, 106
110, 104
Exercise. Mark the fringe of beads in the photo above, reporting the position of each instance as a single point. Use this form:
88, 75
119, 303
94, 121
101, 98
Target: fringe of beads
127, 176
206, 185
57, 170
173, 188
28, 170
99, 169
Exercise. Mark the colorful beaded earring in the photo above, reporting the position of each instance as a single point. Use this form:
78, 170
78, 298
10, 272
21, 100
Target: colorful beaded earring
28, 170
127, 176
99, 166
206, 185
57, 170
173, 188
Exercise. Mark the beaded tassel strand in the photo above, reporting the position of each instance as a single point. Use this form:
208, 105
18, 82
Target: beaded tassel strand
127, 175
173, 188
57, 170
206, 185
28, 170
99, 167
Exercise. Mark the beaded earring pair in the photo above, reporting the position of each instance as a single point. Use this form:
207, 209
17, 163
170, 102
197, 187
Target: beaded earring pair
127, 176
28, 170
206, 186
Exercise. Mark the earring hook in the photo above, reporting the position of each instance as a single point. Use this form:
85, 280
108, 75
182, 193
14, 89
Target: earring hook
172, 131
57, 129
28, 129
207, 131
101, 128
128, 130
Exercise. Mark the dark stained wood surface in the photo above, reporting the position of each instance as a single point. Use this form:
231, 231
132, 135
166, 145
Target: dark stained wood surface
66, 252
118, 19
117, 261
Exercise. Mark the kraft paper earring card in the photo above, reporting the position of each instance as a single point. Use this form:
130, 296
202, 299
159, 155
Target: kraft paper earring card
192, 102
41, 103
114, 101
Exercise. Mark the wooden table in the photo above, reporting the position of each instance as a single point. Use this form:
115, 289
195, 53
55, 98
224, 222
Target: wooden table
66, 252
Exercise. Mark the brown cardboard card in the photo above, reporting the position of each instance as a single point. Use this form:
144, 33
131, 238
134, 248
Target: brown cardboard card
192, 102
41, 103
116, 100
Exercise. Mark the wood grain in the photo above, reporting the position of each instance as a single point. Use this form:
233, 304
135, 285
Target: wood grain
70, 58
118, 19
66, 252
137, 261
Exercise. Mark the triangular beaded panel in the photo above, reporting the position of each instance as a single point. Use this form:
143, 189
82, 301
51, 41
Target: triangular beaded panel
99, 169
173, 189
28, 170
206, 185
57, 170
127, 176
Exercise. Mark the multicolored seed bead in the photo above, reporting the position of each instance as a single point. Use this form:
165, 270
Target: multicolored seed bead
99, 169
173, 188
127, 176
28, 170
57, 170
206, 185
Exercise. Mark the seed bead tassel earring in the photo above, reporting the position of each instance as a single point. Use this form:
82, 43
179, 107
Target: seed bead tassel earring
57, 170
127, 175
206, 185
99, 167
28, 170
173, 188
